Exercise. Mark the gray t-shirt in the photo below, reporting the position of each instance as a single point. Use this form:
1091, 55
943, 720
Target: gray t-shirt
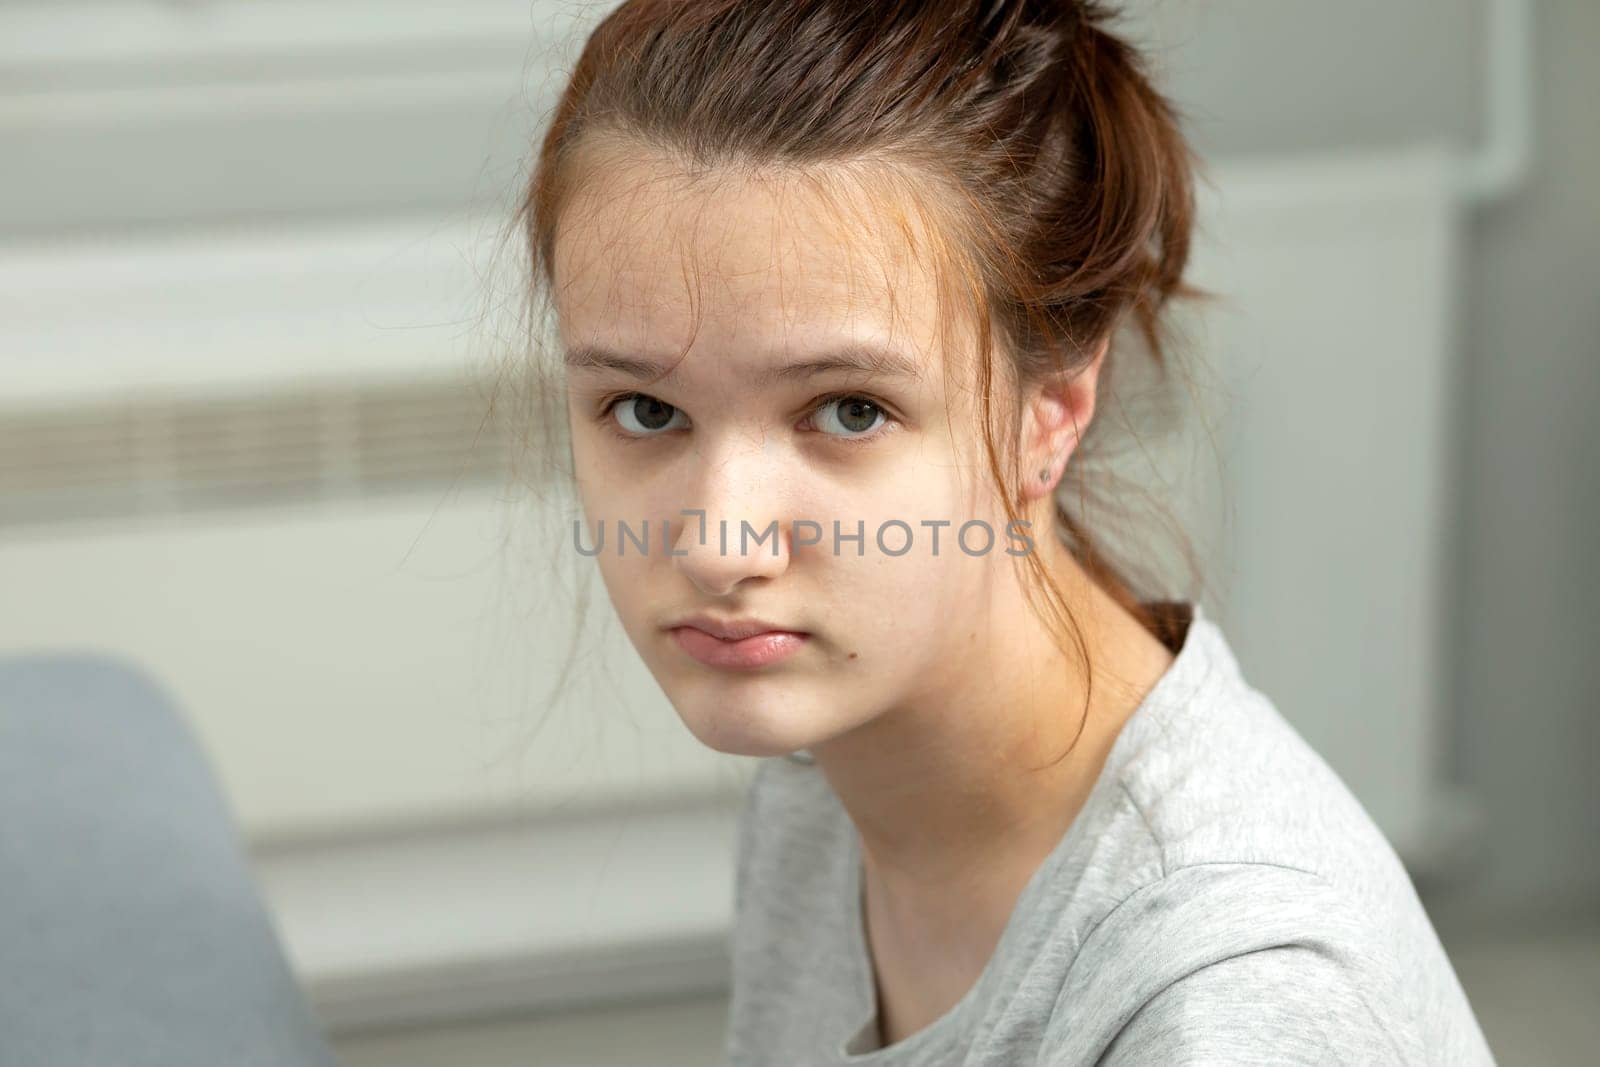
1221, 899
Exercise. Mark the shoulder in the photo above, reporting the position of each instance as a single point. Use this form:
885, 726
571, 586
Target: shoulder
1269, 920
1221, 776
1202, 914
1287, 1004
1251, 963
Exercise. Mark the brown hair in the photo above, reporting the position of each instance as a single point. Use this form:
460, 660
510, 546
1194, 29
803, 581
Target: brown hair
1065, 183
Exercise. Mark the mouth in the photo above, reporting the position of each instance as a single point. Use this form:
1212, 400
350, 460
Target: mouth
737, 644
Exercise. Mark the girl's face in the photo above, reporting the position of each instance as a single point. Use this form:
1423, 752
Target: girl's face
766, 421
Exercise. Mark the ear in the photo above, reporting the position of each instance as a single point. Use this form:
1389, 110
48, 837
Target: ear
1055, 413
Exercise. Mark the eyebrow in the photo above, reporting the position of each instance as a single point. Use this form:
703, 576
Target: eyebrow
863, 357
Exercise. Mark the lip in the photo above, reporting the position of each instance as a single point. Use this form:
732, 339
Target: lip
737, 643
733, 629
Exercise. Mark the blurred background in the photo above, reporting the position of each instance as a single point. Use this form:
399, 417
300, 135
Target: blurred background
254, 299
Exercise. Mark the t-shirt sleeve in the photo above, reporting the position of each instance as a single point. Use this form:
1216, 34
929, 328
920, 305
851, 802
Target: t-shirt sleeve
1234, 963
1284, 1005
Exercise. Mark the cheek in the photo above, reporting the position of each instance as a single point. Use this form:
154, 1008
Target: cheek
912, 506
631, 589
605, 497
587, 466
907, 603
609, 493
616, 478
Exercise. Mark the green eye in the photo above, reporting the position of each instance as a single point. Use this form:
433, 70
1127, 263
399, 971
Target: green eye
642, 415
848, 416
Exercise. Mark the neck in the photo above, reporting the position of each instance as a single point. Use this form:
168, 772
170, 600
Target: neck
970, 763
958, 794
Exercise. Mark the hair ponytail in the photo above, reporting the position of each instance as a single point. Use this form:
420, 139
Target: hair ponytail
1138, 213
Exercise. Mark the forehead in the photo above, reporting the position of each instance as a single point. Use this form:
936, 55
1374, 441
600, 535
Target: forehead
743, 263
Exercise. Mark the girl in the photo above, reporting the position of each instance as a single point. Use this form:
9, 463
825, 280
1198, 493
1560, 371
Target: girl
836, 284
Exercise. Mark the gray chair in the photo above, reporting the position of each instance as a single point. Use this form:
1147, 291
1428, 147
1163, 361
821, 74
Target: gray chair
132, 932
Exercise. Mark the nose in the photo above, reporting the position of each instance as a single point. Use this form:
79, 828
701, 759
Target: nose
735, 533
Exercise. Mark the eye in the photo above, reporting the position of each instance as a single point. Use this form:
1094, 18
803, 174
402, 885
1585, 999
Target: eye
849, 416
640, 415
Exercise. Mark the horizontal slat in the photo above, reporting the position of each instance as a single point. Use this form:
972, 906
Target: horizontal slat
159, 453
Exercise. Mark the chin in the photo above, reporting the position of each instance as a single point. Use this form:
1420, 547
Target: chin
742, 729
